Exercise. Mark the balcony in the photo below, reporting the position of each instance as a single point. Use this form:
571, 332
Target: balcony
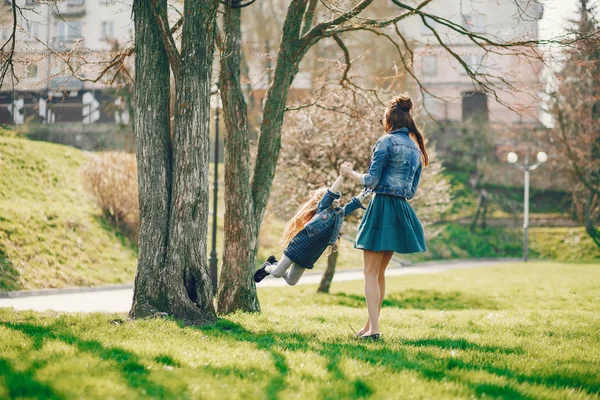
70, 8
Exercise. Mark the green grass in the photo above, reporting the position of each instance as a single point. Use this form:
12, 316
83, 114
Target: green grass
514, 331
51, 232
458, 242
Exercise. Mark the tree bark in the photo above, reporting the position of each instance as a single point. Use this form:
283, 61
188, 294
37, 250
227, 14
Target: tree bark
589, 219
329, 272
237, 290
246, 200
172, 274
153, 152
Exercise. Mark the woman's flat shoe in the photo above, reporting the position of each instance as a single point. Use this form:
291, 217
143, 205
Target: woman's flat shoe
373, 337
358, 334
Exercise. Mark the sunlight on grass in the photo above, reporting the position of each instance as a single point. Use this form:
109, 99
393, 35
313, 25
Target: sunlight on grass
515, 331
51, 232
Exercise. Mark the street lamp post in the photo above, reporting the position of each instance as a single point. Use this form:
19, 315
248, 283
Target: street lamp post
213, 252
526, 168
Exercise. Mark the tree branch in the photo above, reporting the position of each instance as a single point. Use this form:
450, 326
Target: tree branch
8, 64
340, 43
167, 37
309, 16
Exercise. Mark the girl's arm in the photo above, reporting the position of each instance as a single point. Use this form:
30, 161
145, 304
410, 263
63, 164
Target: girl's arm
356, 203
335, 188
333, 193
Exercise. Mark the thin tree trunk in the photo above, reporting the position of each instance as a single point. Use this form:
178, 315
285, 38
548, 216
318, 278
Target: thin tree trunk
329, 272
590, 228
172, 273
245, 199
237, 290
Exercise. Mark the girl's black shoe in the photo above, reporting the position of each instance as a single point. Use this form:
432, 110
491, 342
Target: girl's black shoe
261, 273
272, 260
374, 337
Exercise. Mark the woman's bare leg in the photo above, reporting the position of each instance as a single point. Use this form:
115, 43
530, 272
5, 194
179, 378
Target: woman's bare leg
372, 260
387, 256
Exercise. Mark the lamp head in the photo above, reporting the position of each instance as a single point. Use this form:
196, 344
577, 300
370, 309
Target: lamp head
512, 157
542, 157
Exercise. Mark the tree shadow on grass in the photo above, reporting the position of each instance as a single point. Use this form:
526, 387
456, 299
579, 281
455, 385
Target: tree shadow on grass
22, 384
422, 300
461, 344
9, 276
430, 367
129, 364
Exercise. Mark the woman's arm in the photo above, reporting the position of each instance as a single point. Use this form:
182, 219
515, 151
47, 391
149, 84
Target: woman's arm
373, 175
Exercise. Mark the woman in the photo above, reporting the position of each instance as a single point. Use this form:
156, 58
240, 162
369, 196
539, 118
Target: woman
389, 224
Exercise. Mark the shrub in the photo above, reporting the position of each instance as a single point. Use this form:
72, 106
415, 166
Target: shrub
112, 179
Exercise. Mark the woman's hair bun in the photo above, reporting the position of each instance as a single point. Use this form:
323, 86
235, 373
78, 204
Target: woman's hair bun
402, 102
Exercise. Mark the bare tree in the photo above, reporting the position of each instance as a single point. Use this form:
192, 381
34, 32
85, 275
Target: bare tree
317, 140
172, 166
575, 105
305, 25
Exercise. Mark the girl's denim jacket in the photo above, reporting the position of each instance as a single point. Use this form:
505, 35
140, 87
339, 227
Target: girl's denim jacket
395, 167
328, 214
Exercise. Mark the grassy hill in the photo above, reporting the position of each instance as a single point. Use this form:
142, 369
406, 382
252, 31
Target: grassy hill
51, 232
53, 235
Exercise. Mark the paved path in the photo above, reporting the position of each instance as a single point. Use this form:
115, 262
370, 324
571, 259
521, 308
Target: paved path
119, 299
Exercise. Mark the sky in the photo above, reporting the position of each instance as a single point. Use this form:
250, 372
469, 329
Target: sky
556, 15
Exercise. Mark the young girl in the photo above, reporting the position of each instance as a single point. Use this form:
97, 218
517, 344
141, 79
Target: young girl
306, 236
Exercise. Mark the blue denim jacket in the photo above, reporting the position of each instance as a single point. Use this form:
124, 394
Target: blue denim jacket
327, 214
395, 167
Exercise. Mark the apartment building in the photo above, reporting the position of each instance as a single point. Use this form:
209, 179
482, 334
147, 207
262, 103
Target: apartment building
49, 38
444, 76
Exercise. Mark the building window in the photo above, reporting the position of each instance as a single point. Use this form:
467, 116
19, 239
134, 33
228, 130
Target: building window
476, 64
431, 106
31, 71
5, 33
68, 31
30, 2
474, 106
425, 31
107, 29
474, 22
429, 65
33, 29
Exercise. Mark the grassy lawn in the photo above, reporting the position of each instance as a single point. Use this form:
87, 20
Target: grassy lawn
513, 331
51, 232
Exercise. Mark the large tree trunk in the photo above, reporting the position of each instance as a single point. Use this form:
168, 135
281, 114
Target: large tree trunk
329, 272
237, 290
245, 201
172, 274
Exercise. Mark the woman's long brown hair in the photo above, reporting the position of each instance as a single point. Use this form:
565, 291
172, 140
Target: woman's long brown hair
397, 116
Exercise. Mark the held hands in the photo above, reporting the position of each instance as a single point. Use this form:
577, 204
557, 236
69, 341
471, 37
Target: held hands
346, 169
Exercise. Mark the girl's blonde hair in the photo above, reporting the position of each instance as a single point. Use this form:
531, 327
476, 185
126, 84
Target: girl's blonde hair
306, 212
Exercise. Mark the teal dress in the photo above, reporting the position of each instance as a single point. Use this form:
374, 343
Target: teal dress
390, 223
